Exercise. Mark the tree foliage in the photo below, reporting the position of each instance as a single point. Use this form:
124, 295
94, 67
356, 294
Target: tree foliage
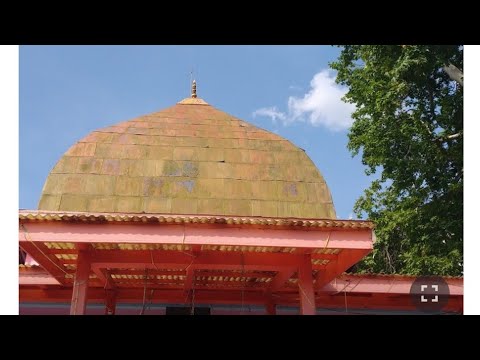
408, 130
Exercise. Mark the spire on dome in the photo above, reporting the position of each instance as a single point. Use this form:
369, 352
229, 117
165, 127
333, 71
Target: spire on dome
194, 89
193, 100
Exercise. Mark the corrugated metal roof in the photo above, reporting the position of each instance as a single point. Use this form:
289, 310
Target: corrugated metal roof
64, 253
41, 215
395, 276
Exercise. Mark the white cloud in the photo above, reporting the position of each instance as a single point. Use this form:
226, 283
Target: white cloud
320, 106
271, 112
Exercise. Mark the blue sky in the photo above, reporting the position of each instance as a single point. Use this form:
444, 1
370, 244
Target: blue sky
68, 91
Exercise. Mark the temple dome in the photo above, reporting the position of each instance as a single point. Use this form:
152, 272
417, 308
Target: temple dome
190, 158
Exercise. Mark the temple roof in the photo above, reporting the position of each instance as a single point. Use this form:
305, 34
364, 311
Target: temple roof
279, 223
190, 158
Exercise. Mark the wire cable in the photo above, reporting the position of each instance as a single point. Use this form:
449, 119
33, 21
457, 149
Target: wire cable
142, 312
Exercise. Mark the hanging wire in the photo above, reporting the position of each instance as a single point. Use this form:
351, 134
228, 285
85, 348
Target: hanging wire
142, 312
326, 243
347, 283
192, 309
183, 245
153, 262
346, 305
150, 300
344, 289
305, 295
245, 283
107, 303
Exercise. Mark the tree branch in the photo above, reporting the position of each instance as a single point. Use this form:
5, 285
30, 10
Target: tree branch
449, 137
455, 136
454, 73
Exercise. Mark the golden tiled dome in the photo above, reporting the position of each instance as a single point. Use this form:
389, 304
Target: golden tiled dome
187, 159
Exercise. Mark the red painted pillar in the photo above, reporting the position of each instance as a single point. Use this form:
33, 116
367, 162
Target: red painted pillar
305, 287
271, 308
80, 284
110, 301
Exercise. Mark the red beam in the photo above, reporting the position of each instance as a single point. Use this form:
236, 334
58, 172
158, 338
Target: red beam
305, 287
56, 294
174, 285
151, 284
386, 284
67, 261
151, 272
24, 279
281, 278
63, 251
391, 285
346, 259
194, 235
226, 284
179, 260
369, 302
80, 285
50, 263
104, 277
234, 274
173, 296
196, 248
31, 271
325, 256
154, 272
381, 301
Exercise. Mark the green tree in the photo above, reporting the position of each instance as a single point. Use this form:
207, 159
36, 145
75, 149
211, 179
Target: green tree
408, 130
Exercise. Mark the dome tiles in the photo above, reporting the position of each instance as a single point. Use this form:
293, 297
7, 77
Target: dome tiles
190, 158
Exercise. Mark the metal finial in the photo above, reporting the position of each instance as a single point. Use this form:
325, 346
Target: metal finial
194, 89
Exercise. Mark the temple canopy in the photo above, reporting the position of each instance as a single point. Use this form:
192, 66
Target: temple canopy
190, 205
